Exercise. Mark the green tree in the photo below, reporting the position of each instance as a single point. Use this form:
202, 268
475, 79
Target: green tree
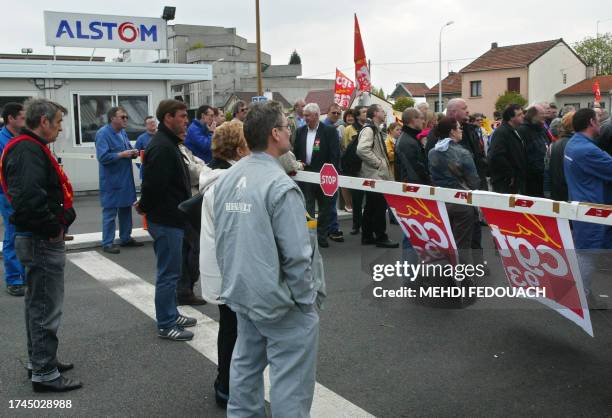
597, 52
402, 103
378, 91
507, 98
295, 58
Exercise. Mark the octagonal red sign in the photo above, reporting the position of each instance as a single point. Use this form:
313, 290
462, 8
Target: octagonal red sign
328, 178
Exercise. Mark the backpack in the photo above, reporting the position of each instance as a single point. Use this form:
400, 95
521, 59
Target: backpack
350, 161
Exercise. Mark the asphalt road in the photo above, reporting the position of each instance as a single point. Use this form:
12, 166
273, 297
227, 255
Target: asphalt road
390, 357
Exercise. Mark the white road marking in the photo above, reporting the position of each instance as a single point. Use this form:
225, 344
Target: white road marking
140, 294
94, 239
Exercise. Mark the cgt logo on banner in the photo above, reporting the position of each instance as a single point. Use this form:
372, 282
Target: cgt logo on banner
344, 90
104, 31
538, 252
426, 224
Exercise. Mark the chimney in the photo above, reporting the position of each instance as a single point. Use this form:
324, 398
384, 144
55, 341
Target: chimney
493, 45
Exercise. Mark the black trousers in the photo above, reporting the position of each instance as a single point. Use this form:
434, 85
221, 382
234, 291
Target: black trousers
374, 216
357, 196
190, 272
226, 340
315, 198
535, 185
463, 220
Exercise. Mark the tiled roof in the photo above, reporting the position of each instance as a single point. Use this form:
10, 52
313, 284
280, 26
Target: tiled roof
324, 98
416, 89
247, 95
586, 86
512, 56
450, 85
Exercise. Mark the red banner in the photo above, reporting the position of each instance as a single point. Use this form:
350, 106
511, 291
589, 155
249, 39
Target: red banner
426, 224
362, 72
344, 90
597, 91
538, 252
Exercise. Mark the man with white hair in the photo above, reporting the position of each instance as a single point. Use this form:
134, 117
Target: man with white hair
316, 144
423, 107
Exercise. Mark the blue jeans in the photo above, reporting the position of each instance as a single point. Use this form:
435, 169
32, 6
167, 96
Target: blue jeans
108, 225
168, 246
333, 215
13, 270
44, 263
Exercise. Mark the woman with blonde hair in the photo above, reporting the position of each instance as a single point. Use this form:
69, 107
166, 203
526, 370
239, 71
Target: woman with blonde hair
393, 132
228, 146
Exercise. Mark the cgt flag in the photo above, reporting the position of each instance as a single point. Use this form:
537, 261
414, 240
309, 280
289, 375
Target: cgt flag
597, 91
426, 224
362, 72
344, 90
538, 252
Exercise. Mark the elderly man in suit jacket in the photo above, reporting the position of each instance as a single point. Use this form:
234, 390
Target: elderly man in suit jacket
316, 144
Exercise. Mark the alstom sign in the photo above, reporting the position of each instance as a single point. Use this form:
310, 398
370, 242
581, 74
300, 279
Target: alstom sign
104, 31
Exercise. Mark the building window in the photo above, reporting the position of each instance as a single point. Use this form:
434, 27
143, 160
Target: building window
10, 99
514, 84
475, 88
564, 78
90, 110
575, 105
437, 106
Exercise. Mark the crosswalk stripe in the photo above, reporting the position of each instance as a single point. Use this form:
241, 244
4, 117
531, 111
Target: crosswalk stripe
141, 295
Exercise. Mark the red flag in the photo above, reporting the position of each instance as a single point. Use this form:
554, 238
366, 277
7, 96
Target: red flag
362, 72
344, 90
596, 91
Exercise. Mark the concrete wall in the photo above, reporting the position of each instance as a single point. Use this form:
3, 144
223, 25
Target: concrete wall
584, 100
83, 173
546, 73
431, 100
494, 84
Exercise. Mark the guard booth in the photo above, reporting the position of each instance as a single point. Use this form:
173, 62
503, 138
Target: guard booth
88, 90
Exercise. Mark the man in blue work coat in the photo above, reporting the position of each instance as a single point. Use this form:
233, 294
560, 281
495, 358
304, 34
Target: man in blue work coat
13, 115
200, 132
117, 189
588, 170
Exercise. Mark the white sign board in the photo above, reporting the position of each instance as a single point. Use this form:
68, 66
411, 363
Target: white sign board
104, 31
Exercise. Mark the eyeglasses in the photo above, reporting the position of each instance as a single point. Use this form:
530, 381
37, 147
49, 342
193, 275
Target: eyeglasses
125, 117
282, 126
335, 113
242, 110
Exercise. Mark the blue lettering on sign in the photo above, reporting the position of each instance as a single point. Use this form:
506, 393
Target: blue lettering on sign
109, 26
80, 34
97, 33
151, 32
64, 27
99, 30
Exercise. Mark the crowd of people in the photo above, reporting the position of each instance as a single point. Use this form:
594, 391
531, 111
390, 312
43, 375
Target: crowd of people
215, 191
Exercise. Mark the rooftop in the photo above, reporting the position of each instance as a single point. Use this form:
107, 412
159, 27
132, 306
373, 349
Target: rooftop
450, 85
586, 86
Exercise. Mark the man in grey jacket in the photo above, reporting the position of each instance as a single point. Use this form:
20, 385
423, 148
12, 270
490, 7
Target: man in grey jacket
375, 165
264, 256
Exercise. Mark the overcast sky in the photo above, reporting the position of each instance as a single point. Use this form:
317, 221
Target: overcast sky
396, 33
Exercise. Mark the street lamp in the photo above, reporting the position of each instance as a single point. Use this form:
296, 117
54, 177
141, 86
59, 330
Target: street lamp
168, 14
440, 66
258, 47
600, 21
212, 81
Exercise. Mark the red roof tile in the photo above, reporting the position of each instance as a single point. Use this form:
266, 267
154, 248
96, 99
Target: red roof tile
324, 98
512, 56
586, 86
416, 89
450, 85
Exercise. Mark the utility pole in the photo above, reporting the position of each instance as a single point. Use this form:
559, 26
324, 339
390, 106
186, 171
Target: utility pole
259, 81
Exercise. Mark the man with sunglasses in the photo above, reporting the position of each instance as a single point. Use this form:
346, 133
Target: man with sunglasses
117, 190
239, 111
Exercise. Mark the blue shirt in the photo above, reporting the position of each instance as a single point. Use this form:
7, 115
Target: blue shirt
199, 140
588, 169
141, 144
5, 137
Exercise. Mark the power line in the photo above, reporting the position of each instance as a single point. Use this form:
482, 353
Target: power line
350, 66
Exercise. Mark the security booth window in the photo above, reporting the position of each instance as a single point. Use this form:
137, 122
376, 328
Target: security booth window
11, 99
90, 114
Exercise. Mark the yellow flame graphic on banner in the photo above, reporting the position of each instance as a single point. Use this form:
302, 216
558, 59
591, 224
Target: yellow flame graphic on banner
421, 210
533, 229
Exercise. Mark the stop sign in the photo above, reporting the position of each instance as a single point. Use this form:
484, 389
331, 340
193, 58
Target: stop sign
328, 178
